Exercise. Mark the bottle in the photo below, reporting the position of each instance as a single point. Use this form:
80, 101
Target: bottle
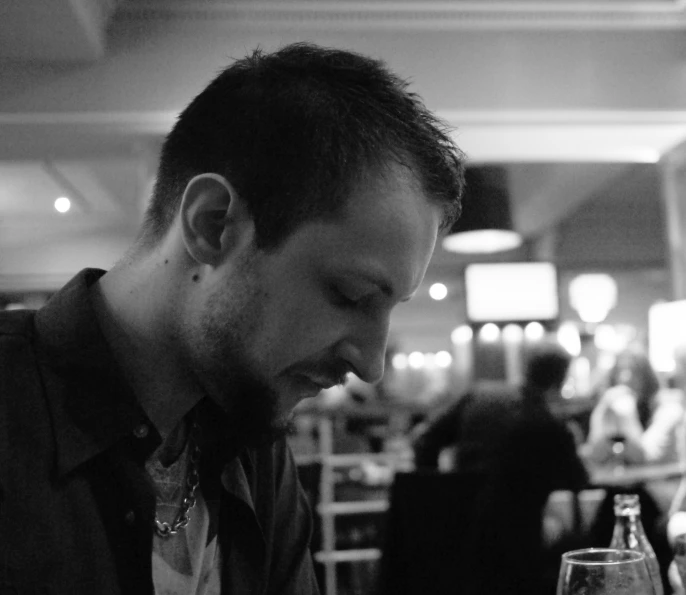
629, 534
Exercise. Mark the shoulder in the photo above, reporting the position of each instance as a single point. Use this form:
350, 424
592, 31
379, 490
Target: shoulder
496, 390
492, 395
16, 324
670, 397
16, 342
26, 432
17, 354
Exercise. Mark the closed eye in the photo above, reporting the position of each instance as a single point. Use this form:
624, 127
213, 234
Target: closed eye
347, 298
343, 300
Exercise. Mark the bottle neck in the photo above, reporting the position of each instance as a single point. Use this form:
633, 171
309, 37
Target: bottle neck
628, 520
629, 533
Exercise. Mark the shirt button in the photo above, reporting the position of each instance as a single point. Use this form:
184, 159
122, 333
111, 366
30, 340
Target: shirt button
130, 517
141, 431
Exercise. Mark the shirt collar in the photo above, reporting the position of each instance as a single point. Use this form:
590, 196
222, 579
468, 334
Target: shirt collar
91, 404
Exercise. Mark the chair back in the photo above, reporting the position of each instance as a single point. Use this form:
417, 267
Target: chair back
429, 533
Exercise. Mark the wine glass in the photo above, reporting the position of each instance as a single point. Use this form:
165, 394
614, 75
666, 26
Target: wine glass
597, 571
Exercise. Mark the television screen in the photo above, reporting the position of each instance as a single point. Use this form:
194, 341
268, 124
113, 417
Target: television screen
511, 292
666, 334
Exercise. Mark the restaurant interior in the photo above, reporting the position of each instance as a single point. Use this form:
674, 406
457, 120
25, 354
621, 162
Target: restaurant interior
572, 115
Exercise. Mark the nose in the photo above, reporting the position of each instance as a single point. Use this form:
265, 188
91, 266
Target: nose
364, 350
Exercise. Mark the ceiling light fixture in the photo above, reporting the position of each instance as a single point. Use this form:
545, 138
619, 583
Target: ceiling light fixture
593, 295
62, 204
485, 225
438, 291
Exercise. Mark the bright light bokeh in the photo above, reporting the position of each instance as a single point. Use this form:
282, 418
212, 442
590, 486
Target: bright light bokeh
399, 361
416, 360
489, 332
62, 204
444, 359
461, 334
606, 338
534, 331
513, 333
438, 291
429, 361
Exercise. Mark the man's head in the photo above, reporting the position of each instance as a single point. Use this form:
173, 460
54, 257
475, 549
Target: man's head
546, 367
294, 132
303, 191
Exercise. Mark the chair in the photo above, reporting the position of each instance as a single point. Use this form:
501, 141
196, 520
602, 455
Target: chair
429, 533
462, 534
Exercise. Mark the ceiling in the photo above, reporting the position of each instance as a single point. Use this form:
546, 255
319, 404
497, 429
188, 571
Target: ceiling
580, 101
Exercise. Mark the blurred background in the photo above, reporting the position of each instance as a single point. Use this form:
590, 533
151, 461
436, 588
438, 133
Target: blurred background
577, 107
572, 115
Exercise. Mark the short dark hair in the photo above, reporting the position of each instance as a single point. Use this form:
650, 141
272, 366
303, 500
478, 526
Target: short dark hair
294, 131
547, 366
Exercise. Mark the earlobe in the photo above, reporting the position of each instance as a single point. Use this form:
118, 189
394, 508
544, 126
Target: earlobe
214, 218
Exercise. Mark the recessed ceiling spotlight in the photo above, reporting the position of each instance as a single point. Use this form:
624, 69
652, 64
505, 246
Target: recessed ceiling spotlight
438, 291
62, 204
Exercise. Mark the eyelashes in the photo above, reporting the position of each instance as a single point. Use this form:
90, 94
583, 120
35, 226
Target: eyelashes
344, 300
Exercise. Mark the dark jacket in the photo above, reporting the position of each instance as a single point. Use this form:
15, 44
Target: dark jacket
76, 505
508, 438
505, 430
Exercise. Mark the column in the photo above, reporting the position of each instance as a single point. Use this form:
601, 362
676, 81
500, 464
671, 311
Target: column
674, 200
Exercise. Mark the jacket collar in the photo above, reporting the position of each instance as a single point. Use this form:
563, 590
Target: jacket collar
91, 404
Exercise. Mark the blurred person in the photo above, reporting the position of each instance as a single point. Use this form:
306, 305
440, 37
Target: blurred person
676, 524
479, 422
298, 200
508, 435
635, 421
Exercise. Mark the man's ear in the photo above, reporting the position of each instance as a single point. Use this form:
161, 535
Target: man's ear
214, 219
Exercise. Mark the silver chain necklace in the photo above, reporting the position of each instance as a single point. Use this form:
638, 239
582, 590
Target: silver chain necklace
164, 529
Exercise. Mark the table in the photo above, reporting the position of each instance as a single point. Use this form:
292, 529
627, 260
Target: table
633, 475
630, 478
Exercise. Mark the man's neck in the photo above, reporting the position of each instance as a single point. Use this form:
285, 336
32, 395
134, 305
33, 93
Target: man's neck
129, 315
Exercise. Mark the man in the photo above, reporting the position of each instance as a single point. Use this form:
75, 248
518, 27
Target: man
484, 423
142, 410
508, 437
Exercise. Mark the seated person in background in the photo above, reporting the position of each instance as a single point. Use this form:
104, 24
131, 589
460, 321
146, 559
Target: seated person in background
677, 512
482, 422
508, 435
635, 421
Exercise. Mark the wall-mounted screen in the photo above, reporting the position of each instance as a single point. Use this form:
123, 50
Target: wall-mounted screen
511, 292
666, 334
